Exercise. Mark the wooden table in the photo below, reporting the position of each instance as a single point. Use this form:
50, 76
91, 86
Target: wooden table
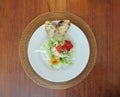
103, 16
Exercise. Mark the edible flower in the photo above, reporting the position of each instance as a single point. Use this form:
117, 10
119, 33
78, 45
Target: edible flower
55, 61
68, 45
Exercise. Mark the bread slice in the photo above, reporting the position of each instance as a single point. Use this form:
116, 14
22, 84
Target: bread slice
50, 28
63, 26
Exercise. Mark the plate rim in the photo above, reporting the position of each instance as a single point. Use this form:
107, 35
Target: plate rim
38, 21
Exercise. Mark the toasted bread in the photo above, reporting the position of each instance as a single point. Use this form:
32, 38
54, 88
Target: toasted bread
63, 26
50, 28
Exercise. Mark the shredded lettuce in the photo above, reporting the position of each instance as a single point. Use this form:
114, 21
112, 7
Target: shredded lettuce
63, 61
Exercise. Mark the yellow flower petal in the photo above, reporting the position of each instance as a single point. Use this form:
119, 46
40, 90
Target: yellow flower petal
55, 61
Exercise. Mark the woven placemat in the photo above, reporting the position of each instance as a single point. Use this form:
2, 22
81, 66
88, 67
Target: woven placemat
29, 30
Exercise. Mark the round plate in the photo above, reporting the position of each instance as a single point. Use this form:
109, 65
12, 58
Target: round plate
38, 60
34, 64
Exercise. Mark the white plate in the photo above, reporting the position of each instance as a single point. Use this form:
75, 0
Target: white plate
81, 55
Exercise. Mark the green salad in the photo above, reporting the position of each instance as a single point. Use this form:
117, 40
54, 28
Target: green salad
60, 50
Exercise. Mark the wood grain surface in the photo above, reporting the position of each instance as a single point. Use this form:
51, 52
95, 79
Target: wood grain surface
103, 16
